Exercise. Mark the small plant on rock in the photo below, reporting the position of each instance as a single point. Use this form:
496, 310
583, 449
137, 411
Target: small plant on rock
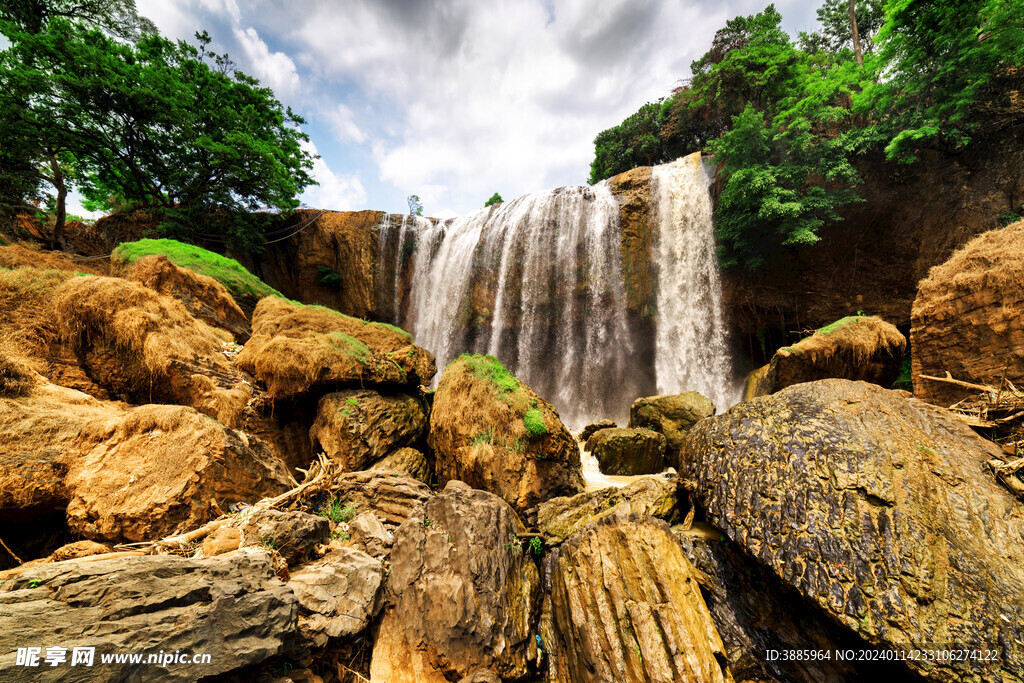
534, 423
338, 512
536, 546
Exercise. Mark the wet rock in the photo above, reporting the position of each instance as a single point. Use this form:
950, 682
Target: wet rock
339, 594
877, 508
229, 607
293, 534
493, 432
968, 318
628, 451
368, 533
594, 427
672, 415
462, 593
560, 518
358, 427
389, 495
622, 603
159, 470
295, 348
408, 461
205, 298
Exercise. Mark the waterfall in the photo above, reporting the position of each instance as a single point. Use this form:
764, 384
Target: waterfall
538, 283
692, 351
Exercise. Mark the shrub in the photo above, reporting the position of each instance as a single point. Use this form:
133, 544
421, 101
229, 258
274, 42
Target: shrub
534, 421
328, 277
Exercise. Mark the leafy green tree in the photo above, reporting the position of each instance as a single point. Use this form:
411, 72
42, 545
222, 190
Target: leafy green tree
634, 142
117, 17
156, 124
495, 199
415, 205
835, 33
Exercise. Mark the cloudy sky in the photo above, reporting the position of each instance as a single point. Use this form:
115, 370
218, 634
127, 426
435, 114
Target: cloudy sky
454, 100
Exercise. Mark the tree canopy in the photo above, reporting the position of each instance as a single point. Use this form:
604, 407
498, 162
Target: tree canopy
495, 199
150, 123
787, 121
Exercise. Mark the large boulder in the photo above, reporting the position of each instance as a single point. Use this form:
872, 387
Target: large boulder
856, 347
462, 595
37, 428
205, 298
358, 427
339, 594
672, 415
293, 534
389, 495
493, 432
595, 427
623, 603
295, 348
968, 318
231, 608
878, 509
159, 470
628, 451
408, 461
560, 518
148, 348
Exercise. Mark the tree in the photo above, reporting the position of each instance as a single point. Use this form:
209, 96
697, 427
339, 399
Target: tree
634, 142
116, 17
837, 25
415, 205
155, 124
495, 199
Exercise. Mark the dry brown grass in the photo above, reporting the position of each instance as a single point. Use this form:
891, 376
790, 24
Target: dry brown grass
16, 376
26, 323
294, 347
850, 341
16, 255
991, 261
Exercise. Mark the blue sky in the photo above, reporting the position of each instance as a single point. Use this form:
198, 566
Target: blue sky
454, 100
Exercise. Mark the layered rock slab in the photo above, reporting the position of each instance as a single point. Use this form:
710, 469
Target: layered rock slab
623, 603
462, 594
877, 509
358, 427
968, 317
230, 607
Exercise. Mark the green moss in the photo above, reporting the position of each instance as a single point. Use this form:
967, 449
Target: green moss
397, 330
228, 272
490, 368
534, 421
351, 401
840, 324
349, 346
486, 436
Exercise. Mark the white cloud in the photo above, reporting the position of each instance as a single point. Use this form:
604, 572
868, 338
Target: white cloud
228, 7
342, 192
343, 122
274, 69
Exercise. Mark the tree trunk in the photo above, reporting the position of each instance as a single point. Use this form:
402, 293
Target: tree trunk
62, 193
855, 33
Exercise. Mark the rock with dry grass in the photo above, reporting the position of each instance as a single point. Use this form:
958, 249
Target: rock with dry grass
493, 432
857, 347
968, 318
292, 533
391, 496
358, 427
148, 348
39, 430
16, 377
160, 470
205, 298
463, 593
295, 348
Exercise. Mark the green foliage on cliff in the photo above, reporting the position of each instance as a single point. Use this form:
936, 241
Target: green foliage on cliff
495, 199
787, 121
228, 272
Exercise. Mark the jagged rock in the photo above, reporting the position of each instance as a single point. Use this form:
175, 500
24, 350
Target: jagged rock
339, 594
462, 593
755, 612
878, 509
408, 461
229, 607
222, 540
856, 347
628, 451
480, 435
356, 428
560, 518
594, 427
389, 495
162, 469
968, 318
672, 415
622, 603
295, 348
148, 348
36, 428
293, 534
205, 298
367, 531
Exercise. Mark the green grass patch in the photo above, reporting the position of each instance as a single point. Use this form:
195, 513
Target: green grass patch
486, 436
337, 511
351, 401
348, 345
490, 368
228, 272
534, 422
840, 324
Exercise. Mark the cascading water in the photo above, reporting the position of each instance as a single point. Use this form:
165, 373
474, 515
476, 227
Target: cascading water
537, 282
692, 351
